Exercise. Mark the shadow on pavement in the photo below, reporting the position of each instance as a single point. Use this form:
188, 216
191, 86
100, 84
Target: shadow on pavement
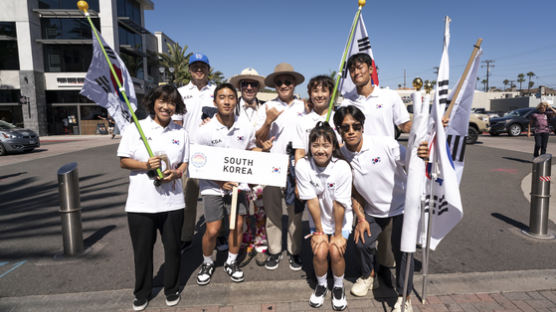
519, 160
510, 221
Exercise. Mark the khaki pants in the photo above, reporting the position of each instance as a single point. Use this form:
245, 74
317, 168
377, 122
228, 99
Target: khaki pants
272, 199
191, 193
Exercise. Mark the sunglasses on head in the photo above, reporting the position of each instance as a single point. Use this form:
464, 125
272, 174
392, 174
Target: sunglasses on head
280, 82
355, 127
245, 83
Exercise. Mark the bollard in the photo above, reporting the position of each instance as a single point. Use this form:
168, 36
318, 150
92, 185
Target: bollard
540, 197
70, 209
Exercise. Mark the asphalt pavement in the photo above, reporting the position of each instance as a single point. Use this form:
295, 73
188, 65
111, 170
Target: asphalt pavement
485, 253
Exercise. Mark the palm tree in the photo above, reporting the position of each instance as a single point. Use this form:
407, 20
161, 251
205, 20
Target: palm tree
178, 59
531, 83
530, 75
484, 82
216, 76
520, 79
505, 82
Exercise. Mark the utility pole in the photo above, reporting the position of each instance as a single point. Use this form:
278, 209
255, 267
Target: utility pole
489, 64
435, 70
404, 78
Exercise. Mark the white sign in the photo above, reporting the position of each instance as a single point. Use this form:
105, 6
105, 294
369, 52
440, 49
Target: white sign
226, 164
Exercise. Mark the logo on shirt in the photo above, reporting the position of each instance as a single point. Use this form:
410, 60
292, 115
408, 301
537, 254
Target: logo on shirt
240, 137
276, 170
187, 97
198, 160
375, 160
378, 106
299, 114
331, 185
214, 142
174, 141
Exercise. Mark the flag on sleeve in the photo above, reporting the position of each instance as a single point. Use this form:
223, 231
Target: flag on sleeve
101, 87
416, 179
459, 118
359, 44
444, 203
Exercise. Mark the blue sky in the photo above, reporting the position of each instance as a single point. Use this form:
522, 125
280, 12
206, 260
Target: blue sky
310, 34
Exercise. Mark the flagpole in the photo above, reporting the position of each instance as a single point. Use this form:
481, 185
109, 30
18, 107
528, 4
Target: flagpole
476, 48
340, 70
84, 6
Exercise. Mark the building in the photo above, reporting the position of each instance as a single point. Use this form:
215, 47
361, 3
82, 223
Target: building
46, 49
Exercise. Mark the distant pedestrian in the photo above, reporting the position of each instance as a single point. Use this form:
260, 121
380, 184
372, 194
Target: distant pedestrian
324, 181
540, 120
150, 208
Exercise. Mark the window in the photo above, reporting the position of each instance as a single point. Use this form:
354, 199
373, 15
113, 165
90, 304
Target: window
9, 96
130, 38
131, 9
66, 4
67, 57
67, 28
133, 63
9, 58
8, 29
65, 97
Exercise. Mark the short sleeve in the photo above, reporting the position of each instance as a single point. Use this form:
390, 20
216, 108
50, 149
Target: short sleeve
303, 179
298, 140
399, 110
186, 147
261, 116
343, 180
177, 117
128, 143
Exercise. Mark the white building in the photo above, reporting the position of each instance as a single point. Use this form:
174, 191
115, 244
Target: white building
46, 49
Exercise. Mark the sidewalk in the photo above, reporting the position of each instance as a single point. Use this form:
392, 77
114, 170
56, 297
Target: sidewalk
533, 290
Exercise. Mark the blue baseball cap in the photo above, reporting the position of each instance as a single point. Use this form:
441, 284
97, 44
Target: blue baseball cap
199, 57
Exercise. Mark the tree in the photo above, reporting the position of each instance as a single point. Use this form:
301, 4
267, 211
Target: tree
530, 85
530, 75
520, 79
505, 82
216, 76
179, 60
484, 82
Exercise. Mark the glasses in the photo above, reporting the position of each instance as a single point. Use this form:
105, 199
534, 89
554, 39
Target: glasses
355, 127
245, 83
280, 82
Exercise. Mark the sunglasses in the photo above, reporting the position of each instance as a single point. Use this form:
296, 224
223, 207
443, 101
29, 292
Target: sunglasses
280, 82
355, 127
246, 83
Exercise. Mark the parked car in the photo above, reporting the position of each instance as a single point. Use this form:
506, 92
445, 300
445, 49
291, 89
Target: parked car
514, 122
478, 123
491, 114
14, 139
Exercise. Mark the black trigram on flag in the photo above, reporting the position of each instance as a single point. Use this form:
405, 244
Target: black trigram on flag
103, 82
443, 92
457, 146
109, 52
364, 44
439, 205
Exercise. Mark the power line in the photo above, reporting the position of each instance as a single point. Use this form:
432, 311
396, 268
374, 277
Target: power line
489, 64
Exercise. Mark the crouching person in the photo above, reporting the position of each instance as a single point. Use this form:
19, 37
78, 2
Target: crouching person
324, 180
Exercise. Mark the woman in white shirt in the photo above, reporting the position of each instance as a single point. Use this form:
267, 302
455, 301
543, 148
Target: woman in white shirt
324, 181
150, 208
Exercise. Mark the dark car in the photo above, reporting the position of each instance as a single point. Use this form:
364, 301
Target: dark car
514, 122
14, 139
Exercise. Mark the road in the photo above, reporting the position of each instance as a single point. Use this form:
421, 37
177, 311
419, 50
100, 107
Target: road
488, 238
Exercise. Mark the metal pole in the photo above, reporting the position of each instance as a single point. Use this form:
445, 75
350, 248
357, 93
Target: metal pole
70, 209
540, 197
426, 251
409, 258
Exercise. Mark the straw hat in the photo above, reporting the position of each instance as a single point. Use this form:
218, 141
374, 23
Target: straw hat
247, 74
283, 69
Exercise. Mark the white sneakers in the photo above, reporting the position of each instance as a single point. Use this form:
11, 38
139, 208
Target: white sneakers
317, 298
398, 305
362, 286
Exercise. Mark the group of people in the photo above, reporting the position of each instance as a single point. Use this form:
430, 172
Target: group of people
345, 166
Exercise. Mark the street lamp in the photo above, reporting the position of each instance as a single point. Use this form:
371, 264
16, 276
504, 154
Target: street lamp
162, 70
171, 70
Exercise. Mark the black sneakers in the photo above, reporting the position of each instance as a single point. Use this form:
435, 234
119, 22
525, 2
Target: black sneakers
272, 261
234, 272
295, 262
140, 304
317, 298
173, 299
204, 275
339, 302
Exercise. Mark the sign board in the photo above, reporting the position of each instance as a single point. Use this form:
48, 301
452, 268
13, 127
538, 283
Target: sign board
226, 164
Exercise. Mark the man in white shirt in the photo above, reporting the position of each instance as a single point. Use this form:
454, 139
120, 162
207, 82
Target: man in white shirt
198, 93
249, 82
276, 121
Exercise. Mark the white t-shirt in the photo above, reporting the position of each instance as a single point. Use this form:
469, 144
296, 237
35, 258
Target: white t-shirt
248, 114
283, 128
173, 140
305, 124
382, 108
379, 175
329, 184
194, 100
239, 136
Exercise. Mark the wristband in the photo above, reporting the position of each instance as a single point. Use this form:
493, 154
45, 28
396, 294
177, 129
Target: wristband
318, 233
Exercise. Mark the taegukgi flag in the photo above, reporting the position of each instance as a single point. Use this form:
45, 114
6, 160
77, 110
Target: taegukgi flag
101, 87
359, 44
459, 118
445, 201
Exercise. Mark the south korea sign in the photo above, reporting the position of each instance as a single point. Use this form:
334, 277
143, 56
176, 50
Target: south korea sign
225, 164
